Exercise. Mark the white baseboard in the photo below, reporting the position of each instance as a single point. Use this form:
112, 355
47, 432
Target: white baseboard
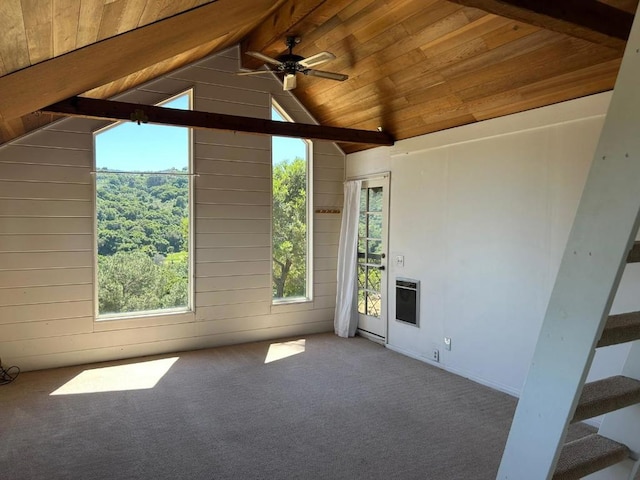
371, 337
460, 372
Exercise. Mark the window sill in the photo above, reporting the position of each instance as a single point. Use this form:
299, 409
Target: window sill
294, 304
142, 320
287, 301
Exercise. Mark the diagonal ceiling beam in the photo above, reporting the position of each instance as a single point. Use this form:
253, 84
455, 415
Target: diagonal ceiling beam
32, 88
294, 17
589, 20
111, 110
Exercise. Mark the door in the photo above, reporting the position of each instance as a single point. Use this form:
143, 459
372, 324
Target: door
372, 258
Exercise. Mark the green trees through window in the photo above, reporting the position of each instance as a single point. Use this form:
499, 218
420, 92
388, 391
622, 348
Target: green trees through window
290, 232
290, 228
142, 213
143, 241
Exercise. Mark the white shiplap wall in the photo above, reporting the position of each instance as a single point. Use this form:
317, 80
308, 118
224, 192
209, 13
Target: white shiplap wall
46, 233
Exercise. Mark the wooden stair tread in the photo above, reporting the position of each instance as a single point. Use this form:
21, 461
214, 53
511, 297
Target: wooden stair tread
607, 395
621, 328
634, 253
588, 455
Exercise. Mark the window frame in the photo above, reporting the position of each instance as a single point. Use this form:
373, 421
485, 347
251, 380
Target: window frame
308, 298
143, 318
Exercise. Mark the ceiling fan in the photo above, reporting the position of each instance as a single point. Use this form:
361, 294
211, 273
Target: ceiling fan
289, 64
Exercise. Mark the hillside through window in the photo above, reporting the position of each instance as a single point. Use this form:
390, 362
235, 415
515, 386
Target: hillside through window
290, 224
142, 216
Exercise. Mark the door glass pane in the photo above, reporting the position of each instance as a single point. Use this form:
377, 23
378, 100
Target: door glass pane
375, 199
374, 251
362, 295
362, 225
373, 304
373, 278
362, 277
374, 228
362, 302
363, 200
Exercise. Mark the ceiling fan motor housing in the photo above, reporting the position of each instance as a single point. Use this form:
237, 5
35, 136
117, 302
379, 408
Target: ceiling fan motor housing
290, 63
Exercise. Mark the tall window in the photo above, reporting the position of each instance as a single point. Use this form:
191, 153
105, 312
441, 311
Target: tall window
291, 215
143, 220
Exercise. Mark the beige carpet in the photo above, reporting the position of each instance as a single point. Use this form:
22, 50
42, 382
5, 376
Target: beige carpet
331, 409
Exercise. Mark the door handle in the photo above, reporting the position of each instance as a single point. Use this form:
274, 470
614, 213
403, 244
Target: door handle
381, 267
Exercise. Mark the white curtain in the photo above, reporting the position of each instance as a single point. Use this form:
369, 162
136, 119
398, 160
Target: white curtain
346, 316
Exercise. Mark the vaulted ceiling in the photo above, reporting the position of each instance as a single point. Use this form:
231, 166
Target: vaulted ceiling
415, 66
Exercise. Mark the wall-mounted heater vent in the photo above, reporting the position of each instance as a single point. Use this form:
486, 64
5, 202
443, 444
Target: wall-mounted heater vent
408, 300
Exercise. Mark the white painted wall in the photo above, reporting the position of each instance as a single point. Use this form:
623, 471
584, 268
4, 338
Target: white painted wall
47, 239
481, 214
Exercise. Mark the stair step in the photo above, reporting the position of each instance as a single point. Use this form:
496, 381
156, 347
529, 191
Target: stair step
607, 395
634, 253
621, 329
588, 455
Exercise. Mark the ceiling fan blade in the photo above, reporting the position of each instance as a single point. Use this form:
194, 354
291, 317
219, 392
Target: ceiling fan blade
289, 81
253, 72
317, 59
340, 77
264, 58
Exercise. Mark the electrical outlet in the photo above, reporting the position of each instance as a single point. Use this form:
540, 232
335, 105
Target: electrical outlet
435, 355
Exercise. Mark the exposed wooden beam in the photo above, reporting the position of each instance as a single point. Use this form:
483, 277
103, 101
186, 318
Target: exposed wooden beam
292, 18
111, 110
586, 19
34, 87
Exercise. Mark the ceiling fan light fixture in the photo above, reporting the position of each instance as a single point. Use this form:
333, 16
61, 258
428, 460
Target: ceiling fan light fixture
289, 82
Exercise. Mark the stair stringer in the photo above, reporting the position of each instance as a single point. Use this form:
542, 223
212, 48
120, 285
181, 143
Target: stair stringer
603, 232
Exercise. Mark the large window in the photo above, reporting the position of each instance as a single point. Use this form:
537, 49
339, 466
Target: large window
143, 216
291, 270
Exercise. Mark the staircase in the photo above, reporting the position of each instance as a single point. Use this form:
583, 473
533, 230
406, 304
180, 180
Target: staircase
594, 453
577, 321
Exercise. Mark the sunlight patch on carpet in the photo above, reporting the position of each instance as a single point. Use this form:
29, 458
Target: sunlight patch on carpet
278, 351
133, 376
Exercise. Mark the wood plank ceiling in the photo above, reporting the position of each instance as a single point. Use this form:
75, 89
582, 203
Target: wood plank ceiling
415, 66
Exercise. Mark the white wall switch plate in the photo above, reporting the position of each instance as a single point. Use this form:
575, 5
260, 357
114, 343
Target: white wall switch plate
447, 343
400, 261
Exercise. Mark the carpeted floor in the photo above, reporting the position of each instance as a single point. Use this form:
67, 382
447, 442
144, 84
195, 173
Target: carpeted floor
340, 409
